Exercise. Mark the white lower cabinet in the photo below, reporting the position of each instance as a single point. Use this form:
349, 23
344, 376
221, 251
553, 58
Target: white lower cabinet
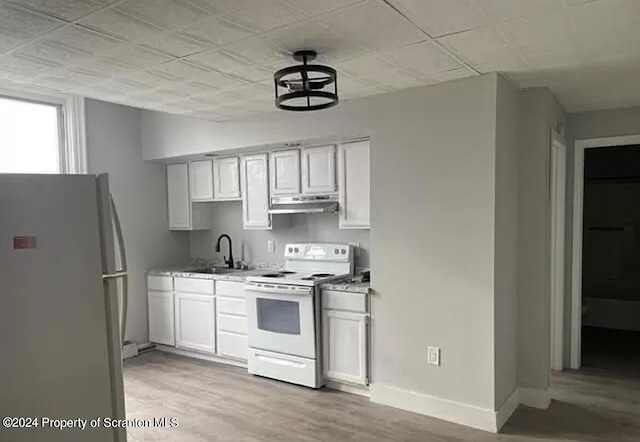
195, 322
161, 317
345, 346
231, 320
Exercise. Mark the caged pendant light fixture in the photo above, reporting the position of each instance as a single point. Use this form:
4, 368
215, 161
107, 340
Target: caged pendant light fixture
306, 87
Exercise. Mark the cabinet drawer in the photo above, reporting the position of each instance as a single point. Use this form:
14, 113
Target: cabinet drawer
160, 283
191, 285
230, 288
233, 345
235, 324
232, 306
353, 302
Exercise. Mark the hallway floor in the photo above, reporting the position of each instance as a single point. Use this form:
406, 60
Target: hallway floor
215, 402
612, 350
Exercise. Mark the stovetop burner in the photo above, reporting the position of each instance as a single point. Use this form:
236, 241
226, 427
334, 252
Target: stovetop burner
322, 275
274, 275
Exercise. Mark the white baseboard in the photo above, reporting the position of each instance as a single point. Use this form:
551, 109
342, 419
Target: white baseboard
535, 398
456, 412
348, 388
193, 354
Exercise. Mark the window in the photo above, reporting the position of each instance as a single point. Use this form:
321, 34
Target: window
41, 134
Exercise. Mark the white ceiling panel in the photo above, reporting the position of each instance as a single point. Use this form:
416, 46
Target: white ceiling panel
120, 25
454, 74
605, 20
173, 44
422, 59
480, 46
539, 33
442, 17
221, 6
329, 45
64, 9
226, 63
179, 71
264, 15
502, 10
214, 31
167, 14
256, 50
376, 68
16, 67
19, 26
315, 7
373, 26
136, 58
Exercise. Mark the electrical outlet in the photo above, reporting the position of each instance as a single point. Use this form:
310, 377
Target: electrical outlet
433, 356
271, 246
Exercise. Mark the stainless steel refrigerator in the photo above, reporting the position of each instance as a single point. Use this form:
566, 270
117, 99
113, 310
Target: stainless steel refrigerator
62, 266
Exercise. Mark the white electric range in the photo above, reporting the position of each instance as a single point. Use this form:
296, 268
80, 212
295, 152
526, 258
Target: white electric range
284, 312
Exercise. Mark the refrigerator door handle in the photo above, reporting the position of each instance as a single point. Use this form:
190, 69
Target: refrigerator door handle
122, 272
117, 275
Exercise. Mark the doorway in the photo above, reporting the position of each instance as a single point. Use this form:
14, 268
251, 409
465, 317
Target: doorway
605, 325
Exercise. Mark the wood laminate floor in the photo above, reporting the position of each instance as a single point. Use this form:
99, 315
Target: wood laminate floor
216, 402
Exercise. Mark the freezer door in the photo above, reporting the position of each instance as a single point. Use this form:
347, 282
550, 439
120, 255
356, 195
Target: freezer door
58, 336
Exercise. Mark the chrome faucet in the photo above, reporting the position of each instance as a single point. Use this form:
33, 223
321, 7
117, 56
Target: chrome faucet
228, 262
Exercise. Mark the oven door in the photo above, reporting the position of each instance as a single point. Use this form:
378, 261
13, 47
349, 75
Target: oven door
281, 319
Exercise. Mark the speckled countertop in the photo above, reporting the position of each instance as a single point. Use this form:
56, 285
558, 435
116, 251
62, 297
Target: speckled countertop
347, 285
187, 271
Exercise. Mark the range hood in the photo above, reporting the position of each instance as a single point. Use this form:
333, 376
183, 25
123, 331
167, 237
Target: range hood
304, 204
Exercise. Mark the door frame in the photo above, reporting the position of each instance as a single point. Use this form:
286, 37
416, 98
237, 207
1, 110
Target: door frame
558, 235
577, 238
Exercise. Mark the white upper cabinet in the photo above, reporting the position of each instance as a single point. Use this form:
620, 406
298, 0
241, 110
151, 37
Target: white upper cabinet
319, 170
354, 177
284, 167
183, 215
255, 191
226, 178
201, 175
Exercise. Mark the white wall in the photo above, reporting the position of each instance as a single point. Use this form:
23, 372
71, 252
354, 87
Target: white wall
508, 141
540, 113
251, 245
140, 193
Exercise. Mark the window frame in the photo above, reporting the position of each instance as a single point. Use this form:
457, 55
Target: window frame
72, 155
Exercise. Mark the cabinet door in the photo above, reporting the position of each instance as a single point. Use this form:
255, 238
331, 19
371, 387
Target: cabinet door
201, 179
319, 170
345, 346
161, 318
354, 177
284, 167
226, 178
195, 322
178, 196
255, 192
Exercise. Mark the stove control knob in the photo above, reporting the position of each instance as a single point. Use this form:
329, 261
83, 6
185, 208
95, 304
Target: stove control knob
336, 251
290, 249
343, 251
296, 250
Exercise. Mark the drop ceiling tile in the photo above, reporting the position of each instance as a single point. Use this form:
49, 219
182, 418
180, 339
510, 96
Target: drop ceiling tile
179, 71
605, 20
173, 44
221, 6
453, 74
126, 86
479, 46
225, 63
379, 70
17, 67
256, 50
73, 78
422, 59
373, 26
167, 14
329, 45
215, 31
442, 17
158, 95
503, 10
135, 58
264, 15
315, 7
263, 91
18, 26
120, 25
64, 9
52, 52
539, 32
107, 66
217, 81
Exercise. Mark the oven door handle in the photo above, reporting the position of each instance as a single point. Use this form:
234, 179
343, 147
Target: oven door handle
277, 288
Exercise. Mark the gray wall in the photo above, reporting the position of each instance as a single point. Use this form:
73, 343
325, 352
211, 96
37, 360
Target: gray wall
540, 113
140, 192
508, 126
432, 239
251, 245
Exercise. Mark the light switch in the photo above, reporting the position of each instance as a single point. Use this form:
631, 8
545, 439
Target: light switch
271, 246
433, 356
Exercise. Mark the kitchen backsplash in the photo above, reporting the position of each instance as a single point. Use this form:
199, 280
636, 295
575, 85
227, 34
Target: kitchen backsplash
251, 245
